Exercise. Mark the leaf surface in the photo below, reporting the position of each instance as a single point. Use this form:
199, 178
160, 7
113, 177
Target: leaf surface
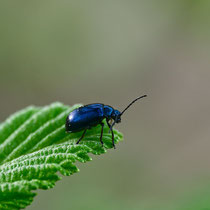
34, 147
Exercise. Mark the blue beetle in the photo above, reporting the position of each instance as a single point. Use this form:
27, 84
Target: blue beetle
90, 115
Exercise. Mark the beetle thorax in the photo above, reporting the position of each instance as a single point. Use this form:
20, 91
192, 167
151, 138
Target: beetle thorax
108, 111
112, 113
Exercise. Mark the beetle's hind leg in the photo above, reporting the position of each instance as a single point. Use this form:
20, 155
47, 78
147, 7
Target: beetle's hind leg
110, 127
82, 136
102, 129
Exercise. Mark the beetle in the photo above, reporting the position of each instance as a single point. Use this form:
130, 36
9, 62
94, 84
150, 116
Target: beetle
88, 116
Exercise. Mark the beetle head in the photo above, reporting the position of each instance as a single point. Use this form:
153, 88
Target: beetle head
116, 116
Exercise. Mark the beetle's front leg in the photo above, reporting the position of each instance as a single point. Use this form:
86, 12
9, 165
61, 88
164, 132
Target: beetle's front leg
110, 127
102, 129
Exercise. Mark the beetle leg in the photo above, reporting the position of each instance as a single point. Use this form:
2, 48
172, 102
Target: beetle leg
112, 133
102, 129
82, 136
113, 139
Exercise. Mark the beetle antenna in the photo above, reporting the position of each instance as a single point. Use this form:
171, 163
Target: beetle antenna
126, 109
132, 103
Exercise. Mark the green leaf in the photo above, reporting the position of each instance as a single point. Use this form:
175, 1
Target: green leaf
34, 147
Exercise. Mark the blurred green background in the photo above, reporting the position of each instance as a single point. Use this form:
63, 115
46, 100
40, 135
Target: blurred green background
111, 52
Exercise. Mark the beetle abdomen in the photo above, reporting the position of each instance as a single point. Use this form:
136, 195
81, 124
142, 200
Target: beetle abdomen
84, 117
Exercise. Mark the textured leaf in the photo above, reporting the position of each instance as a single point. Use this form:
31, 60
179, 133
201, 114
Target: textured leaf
34, 147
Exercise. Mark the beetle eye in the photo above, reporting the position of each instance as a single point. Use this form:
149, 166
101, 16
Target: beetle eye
118, 120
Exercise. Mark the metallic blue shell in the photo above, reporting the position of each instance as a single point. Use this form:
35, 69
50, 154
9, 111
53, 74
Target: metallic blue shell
85, 117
